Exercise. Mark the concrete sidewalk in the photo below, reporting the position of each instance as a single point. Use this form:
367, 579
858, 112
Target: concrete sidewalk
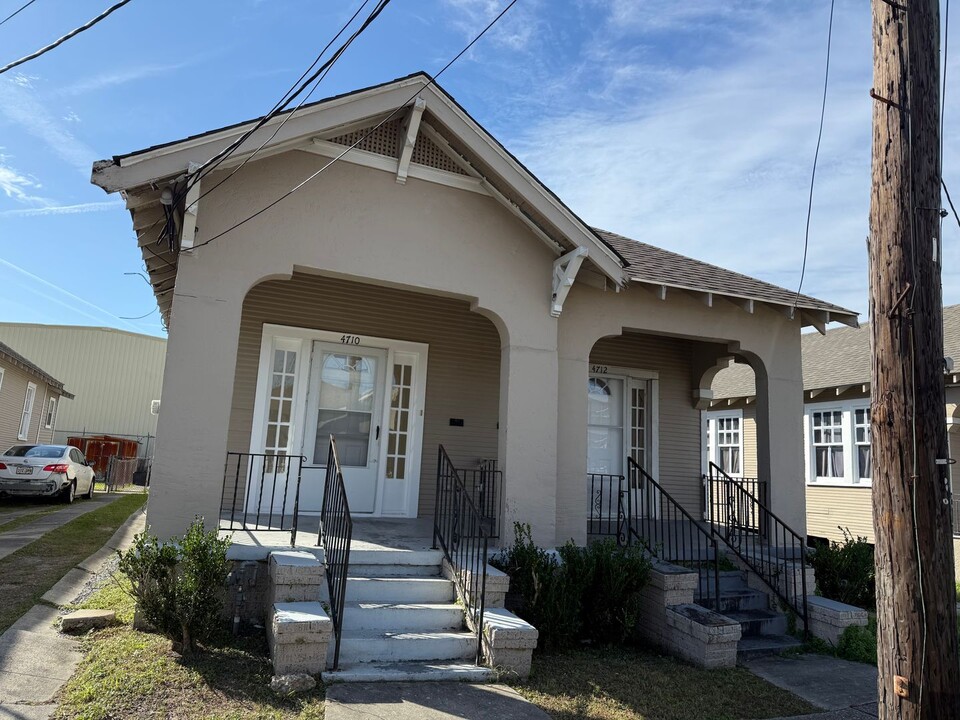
848, 690
35, 659
22, 536
428, 701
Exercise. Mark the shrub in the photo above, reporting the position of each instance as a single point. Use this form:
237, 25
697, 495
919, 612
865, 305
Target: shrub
845, 571
859, 643
179, 585
579, 593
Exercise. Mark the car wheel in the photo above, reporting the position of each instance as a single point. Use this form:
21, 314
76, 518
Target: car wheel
69, 493
89, 494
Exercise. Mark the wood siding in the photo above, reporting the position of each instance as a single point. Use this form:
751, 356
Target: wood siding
750, 441
463, 365
13, 390
831, 507
679, 421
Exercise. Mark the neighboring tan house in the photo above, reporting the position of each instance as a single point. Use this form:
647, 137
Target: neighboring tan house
424, 293
115, 374
836, 425
30, 400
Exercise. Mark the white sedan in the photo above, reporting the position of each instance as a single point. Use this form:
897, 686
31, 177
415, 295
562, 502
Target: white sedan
46, 470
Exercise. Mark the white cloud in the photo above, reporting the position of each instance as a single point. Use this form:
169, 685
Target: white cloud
121, 77
516, 30
61, 209
18, 186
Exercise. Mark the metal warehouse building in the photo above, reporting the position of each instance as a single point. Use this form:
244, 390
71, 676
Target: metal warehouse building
114, 374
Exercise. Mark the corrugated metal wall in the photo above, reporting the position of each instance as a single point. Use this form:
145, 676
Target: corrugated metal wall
114, 374
679, 428
463, 365
13, 390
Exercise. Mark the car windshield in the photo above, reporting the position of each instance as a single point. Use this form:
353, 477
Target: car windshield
36, 451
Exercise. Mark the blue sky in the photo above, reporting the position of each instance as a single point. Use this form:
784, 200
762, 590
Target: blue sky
689, 125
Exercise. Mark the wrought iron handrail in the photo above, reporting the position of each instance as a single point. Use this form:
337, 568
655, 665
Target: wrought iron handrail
459, 530
653, 518
336, 533
255, 472
605, 518
485, 483
754, 537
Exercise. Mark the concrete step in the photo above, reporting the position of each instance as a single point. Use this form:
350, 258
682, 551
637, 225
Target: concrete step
399, 589
409, 617
759, 646
375, 571
759, 622
395, 557
410, 672
737, 600
729, 580
362, 647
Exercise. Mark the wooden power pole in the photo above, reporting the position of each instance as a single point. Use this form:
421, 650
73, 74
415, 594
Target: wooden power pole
919, 669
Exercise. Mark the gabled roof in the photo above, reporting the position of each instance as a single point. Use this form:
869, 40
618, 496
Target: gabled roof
479, 163
13, 357
839, 359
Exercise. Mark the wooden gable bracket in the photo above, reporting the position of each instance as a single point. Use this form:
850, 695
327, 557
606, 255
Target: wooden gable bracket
411, 126
188, 228
565, 270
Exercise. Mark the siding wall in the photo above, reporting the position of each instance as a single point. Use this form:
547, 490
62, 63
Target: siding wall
113, 374
13, 390
750, 441
848, 507
679, 421
463, 363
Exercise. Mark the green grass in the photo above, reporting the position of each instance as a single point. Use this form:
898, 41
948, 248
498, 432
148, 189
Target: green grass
32, 570
125, 671
636, 684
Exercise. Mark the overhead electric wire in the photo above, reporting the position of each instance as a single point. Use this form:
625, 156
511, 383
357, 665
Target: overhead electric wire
372, 130
60, 41
816, 156
18, 11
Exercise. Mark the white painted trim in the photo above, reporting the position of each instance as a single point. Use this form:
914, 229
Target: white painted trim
27, 412
710, 455
411, 128
188, 228
847, 408
1, 378
304, 338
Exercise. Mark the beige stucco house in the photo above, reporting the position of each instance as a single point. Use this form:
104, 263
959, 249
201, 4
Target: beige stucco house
417, 286
30, 400
836, 426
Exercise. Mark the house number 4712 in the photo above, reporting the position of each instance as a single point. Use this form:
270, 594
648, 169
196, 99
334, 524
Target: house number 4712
350, 339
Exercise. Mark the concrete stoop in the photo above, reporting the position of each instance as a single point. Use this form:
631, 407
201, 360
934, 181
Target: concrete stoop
401, 620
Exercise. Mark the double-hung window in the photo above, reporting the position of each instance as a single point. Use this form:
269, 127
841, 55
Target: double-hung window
861, 431
839, 443
728, 445
51, 415
27, 413
828, 457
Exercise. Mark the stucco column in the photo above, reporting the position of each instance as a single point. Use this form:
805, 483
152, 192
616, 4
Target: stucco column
191, 445
780, 436
528, 441
572, 495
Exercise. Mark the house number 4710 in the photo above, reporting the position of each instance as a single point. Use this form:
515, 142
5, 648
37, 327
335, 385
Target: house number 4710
350, 339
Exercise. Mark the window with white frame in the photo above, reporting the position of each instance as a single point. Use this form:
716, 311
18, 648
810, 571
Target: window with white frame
283, 377
724, 435
1, 378
838, 443
27, 414
51, 415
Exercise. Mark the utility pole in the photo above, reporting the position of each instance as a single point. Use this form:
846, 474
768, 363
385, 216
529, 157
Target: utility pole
919, 669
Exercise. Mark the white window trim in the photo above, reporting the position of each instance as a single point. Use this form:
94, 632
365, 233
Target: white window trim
27, 412
50, 416
1, 378
850, 470
710, 419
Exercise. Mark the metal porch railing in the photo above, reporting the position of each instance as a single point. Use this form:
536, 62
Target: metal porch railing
484, 483
765, 543
336, 533
605, 519
459, 529
261, 491
653, 518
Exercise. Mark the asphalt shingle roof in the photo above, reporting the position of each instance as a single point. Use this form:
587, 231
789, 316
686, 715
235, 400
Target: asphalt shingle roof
655, 265
840, 357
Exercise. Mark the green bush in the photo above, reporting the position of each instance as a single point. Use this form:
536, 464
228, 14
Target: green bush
179, 585
579, 593
859, 643
845, 571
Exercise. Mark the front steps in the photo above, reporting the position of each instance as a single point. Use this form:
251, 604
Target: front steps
763, 628
400, 620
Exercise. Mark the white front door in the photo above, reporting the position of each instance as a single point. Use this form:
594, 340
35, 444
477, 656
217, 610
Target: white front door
345, 399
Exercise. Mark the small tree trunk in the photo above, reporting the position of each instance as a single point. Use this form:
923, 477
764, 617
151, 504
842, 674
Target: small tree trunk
187, 643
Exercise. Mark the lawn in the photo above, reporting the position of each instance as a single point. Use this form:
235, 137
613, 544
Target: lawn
126, 673
28, 573
635, 684
34, 514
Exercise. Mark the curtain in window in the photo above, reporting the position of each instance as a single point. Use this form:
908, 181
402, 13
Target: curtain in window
830, 461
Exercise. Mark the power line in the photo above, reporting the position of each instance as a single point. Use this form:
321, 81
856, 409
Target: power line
816, 155
372, 130
60, 41
18, 11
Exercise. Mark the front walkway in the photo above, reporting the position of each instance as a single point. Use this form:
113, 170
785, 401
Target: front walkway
847, 689
13, 540
428, 701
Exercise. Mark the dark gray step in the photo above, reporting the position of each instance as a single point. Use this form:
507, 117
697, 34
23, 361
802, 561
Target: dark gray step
738, 600
753, 647
729, 580
759, 622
